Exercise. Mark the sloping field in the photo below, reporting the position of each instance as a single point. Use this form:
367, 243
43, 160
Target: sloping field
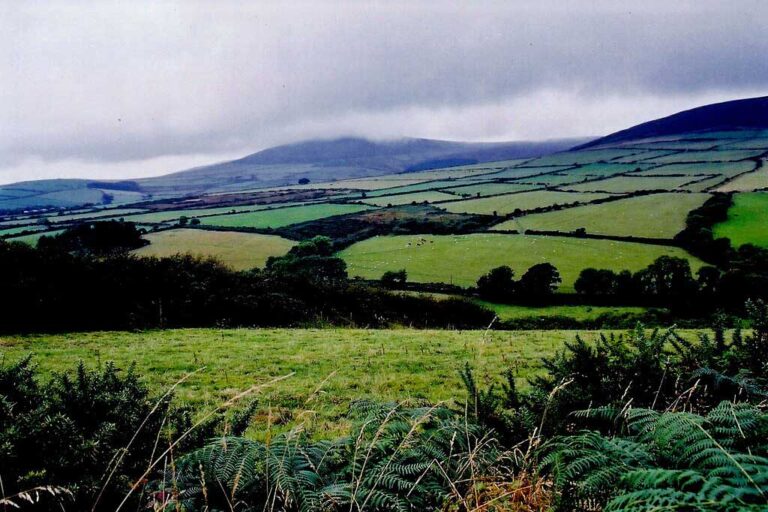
755, 180
626, 184
653, 216
724, 168
490, 189
279, 217
241, 251
584, 157
747, 220
462, 259
707, 156
428, 196
503, 205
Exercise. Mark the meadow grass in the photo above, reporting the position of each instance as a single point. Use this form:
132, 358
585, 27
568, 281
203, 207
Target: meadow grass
282, 216
329, 367
462, 259
652, 216
747, 220
746, 182
577, 312
32, 238
428, 196
724, 168
626, 184
707, 156
583, 157
489, 189
524, 201
240, 251
173, 215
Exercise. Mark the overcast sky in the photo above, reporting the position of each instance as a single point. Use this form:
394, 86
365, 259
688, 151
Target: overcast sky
127, 89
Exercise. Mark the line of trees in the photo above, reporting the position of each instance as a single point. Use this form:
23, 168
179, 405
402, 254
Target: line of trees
537, 284
52, 288
670, 282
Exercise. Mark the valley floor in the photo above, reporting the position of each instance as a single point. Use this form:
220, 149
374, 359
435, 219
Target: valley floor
328, 368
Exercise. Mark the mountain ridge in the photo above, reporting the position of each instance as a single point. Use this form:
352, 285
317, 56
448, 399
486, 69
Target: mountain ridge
746, 113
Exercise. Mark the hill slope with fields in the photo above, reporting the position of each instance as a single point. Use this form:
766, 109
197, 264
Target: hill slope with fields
618, 204
315, 160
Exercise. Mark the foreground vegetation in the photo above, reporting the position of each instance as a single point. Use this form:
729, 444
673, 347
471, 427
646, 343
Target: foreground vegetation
638, 422
340, 364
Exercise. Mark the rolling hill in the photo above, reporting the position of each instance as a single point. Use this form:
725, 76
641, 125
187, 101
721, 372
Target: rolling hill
315, 160
746, 114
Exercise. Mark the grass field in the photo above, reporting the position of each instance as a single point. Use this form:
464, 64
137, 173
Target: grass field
583, 157
628, 184
724, 168
428, 196
282, 216
750, 181
240, 251
524, 201
21, 229
173, 215
652, 216
707, 156
462, 259
747, 220
489, 189
329, 367
514, 312
32, 238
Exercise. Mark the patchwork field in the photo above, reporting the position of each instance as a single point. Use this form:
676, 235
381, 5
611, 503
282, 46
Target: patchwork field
627, 184
506, 204
279, 217
328, 367
461, 199
755, 180
416, 197
490, 189
462, 259
652, 216
241, 251
747, 220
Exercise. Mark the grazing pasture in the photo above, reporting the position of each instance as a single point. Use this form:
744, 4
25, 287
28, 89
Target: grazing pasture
755, 180
32, 238
175, 215
490, 189
626, 184
429, 196
462, 259
583, 157
506, 204
280, 217
652, 216
241, 251
707, 156
329, 367
724, 168
747, 220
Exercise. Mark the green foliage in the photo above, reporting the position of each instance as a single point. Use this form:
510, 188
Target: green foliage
73, 431
97, 238
660, 460
394, 458
391, 278
497, 285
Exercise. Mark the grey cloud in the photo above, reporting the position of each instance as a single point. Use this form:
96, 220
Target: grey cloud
129, 81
